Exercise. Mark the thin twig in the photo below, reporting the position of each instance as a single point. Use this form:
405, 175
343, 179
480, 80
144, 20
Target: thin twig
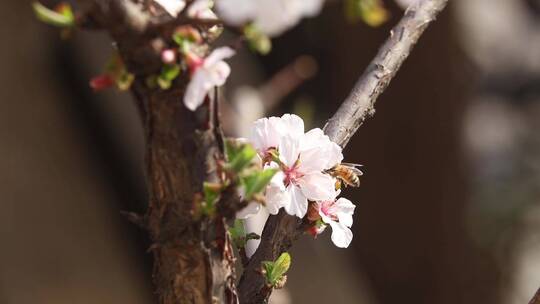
282, 229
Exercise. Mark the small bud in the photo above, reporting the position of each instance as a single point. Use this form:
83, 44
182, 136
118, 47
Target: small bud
193, 61
168, 56
101, 82
316, 230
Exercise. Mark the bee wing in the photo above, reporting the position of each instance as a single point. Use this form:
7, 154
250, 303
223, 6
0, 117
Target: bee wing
353, 168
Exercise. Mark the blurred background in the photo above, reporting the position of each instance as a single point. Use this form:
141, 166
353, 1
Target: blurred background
448, 210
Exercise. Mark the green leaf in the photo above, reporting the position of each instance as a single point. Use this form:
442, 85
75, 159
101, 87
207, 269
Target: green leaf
372, 12
211, 193
124, 81
274, 271
170, 72
239, 236
164, 84
257, 181
238, 233
258, 41
239, 155
62, 18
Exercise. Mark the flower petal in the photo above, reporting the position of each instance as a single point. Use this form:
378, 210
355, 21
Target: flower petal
344, 211
265, 134
276, 197
250, 210
218, 55
341, 235
289, 150
318, 186
298, 204
197, 89
319, 152
173, 7
218, 73
292, 124
201, 9
236, 12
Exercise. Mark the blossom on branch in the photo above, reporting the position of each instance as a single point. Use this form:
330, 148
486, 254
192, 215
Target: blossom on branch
201, 9
206, 73
338, 214
302, 158
272, 17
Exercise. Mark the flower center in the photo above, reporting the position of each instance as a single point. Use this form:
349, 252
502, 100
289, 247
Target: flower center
292, 175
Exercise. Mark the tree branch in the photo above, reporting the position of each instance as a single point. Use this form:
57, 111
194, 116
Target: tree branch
193, 256
536, 298
282, 229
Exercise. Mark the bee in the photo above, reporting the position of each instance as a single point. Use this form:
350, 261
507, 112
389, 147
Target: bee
347, 173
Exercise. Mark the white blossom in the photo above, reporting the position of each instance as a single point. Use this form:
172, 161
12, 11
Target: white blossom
338, 214
201, 9
303, 168
207, 73
272, 17
173, 7
302, 159
266, 133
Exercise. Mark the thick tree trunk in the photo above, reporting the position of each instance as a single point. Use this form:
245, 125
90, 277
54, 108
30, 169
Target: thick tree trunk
193, 259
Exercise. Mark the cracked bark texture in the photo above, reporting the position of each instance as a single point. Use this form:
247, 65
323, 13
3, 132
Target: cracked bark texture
193, 258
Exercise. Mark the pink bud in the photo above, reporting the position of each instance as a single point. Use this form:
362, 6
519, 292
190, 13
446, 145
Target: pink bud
101, 82
168, 56
314, 230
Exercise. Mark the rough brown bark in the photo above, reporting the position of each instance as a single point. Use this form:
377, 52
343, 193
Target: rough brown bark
193, 257
282, 229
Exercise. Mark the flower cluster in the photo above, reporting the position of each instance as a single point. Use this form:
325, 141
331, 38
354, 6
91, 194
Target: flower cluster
303, 181
269, 17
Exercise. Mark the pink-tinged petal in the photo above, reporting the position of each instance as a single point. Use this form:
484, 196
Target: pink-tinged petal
313, 139
276, 196
236, 12
341, 235
265, 134
319, 152
310, 8
334, 155
292, 124
344, 211
250, 210
173, 7
318, 186
218, 55
313, 160
275, 199
325, 218
219, 73
298, 204
201, 9
197, 89
289, 150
